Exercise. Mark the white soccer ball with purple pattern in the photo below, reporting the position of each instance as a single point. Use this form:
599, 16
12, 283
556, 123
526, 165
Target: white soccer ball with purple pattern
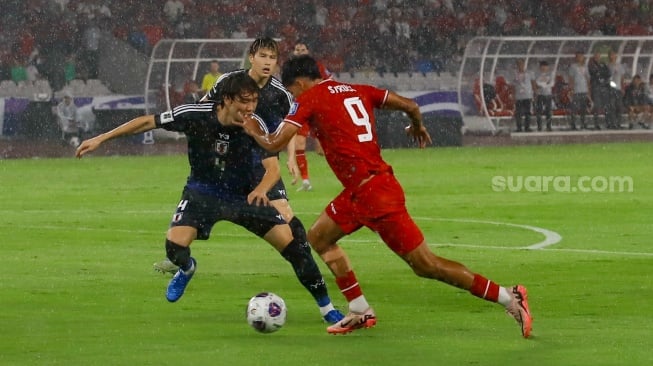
266, 312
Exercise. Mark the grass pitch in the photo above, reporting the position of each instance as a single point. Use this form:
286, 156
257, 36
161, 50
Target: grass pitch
80, 237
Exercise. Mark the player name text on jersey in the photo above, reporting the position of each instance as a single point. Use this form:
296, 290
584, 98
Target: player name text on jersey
340, 89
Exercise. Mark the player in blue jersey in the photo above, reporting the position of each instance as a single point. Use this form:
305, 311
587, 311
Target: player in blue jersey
224, 183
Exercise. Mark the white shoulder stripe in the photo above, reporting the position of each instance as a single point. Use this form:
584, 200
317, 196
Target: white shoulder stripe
227, 74
277, 84
261, 123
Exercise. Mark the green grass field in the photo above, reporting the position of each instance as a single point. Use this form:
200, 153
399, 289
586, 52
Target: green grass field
79, 238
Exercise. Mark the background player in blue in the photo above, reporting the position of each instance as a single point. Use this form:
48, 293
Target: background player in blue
223, 183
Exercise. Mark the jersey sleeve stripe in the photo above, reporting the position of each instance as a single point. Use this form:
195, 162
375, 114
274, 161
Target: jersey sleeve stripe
385, 97
292, 122
187, 108
261, 123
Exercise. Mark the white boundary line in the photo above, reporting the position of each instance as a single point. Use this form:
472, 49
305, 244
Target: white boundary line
550, 237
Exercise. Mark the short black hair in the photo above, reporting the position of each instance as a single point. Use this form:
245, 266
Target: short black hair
300, 66
264, 42
236, 84
544, 63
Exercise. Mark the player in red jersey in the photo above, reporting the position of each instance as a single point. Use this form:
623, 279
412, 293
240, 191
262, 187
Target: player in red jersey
300, 165
343, 120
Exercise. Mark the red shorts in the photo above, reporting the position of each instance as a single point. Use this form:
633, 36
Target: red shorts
380, 205
305, 130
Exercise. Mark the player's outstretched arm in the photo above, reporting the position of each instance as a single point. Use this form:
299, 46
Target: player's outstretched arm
272, 142
416, 128
137, 125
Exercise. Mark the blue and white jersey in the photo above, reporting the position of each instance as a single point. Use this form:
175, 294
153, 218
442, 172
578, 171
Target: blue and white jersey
223, 160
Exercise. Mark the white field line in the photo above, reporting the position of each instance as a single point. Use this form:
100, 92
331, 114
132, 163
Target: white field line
550, 237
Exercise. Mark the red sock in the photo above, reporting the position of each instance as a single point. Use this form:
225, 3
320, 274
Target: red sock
484, 288
348, 285
300, 156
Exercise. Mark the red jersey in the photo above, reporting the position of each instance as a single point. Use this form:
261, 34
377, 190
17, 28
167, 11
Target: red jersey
326, 74
342, 119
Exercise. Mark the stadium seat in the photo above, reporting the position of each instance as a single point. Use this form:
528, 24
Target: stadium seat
77, 86
8, 88
345, 77
42, 90
95, 87
25, 89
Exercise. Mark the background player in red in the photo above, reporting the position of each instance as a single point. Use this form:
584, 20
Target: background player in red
304, 132
342, 117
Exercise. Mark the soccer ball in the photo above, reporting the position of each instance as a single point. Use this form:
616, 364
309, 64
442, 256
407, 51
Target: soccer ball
266, 312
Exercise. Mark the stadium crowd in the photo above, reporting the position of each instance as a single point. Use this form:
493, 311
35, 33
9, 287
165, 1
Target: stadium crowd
58, 39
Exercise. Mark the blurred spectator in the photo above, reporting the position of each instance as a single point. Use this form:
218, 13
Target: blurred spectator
18, 71
93, 10
637, 102
600, 89
5, 63
425, 31
154, 31
579, 79
617, 72
506, 94
301, 48
524, 83
173, 10
240, 32
649, 89
321, 14
211, 77
562, 95
70, 69
184, 27
632, 24
90, 53
63, 4
71, 131
543, 100
489, 101
608, 23
192, 94
137, 39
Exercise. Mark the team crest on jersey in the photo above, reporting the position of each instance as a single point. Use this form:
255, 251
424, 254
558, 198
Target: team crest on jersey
293, 109
222, 147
